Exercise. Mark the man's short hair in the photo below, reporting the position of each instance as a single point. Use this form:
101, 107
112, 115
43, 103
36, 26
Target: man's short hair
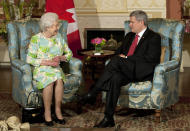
140, 16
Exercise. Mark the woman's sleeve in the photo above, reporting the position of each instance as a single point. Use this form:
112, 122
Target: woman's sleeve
66, 51
32, 52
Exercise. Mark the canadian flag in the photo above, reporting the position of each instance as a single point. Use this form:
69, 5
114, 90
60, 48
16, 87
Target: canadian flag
66, 11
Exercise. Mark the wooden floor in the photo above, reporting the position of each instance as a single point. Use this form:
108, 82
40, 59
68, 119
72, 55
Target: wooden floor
184, 82
5, 79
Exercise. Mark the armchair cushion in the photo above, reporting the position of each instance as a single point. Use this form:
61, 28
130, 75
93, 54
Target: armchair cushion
137, 88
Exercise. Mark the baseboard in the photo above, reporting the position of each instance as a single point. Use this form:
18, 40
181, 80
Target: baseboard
5, 63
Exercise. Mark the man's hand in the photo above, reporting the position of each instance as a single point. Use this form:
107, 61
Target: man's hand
122, 55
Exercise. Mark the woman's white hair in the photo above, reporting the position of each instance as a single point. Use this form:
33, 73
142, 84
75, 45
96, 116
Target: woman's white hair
47, 20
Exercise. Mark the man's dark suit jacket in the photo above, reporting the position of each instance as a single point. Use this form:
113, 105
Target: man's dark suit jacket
146, 56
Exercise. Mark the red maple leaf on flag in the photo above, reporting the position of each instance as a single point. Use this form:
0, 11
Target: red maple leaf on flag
60, 7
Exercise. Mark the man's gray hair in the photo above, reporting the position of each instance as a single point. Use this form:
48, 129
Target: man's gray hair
47, 20
140, 16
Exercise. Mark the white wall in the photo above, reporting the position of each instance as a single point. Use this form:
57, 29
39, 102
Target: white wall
113, 13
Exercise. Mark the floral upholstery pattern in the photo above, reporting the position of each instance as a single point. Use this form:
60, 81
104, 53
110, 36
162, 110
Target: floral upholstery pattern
24, 91
163, 90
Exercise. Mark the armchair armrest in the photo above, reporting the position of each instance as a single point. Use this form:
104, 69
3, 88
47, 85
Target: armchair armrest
22, 81
75, 66
167, 66
165, 81
22, 66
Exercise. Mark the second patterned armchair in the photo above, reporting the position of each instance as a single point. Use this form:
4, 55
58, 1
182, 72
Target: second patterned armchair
163, 91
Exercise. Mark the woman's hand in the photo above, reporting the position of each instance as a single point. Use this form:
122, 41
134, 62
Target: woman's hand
54, 63
59, 58
50, 63
63, 58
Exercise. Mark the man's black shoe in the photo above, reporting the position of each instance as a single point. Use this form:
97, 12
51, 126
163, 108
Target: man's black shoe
106, 123
87, 99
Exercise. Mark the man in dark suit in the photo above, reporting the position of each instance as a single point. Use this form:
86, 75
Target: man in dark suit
134, 61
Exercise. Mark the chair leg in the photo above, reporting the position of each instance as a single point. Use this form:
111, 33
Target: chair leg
172, 107
79, 109
157, 115
19, 106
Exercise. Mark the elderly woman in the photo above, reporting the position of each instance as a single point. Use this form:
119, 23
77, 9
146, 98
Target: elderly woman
46, 50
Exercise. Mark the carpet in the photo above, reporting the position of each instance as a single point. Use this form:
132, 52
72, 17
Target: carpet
126, 119
8, 107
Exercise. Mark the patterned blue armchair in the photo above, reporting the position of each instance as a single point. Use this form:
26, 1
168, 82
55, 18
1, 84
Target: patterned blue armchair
24, 91
163, 91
